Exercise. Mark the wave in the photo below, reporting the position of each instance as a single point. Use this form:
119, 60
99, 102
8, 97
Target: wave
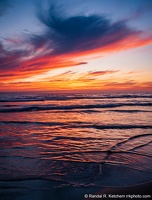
78, 173
72, 107
81, 125
34, 123
132, 138
108, 168
124, 126
129, 111
65, 97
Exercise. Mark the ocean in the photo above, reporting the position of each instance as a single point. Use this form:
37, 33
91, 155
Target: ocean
63, 146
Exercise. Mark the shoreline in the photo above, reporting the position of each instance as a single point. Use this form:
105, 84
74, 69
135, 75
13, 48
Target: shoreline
42, 190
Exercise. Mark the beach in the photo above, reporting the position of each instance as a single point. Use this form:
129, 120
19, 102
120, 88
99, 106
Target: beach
66, 146
41, 190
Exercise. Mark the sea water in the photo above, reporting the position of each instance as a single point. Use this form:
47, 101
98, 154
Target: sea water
50, 141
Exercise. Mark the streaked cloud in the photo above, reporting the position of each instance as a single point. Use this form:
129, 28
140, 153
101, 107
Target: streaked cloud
100, 73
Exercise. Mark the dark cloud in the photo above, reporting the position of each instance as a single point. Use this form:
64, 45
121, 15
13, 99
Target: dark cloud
10, 59
7, 59
80, 33
4, 5
6, 75
81, 63
99, 73
38, 41
38, 64
19, 60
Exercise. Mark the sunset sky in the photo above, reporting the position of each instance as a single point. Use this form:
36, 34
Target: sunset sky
73, 45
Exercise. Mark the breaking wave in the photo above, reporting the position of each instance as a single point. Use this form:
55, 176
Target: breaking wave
72, 107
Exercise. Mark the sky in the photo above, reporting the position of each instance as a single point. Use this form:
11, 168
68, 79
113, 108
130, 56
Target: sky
76, 45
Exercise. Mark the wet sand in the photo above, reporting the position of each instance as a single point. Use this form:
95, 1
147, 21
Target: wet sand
143, 191
41, 190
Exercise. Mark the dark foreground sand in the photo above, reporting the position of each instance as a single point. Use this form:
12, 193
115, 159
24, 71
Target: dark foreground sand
143, 191
41, 190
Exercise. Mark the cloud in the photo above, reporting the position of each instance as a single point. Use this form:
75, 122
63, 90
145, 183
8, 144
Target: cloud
37, 64
81, 63
123, 84
81, 33
94, 75
37, 41
65, 42
100, 73
11, 59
